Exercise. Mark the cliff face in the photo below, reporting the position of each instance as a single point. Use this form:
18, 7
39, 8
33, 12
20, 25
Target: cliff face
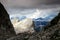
6, 27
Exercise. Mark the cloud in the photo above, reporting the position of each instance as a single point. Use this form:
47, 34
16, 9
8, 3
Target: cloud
32, 13
43, 13
28, 3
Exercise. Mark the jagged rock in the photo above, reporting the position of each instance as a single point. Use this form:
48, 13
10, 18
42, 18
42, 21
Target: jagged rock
6, 27
48, 34
54, 21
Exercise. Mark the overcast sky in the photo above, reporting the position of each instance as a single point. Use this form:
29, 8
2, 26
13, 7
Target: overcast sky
29, 3
11, 5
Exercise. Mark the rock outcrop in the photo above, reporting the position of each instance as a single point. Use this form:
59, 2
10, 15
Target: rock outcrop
54, 21
6, 27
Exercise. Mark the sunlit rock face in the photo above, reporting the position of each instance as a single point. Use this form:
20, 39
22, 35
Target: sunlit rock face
24, 26
14, 21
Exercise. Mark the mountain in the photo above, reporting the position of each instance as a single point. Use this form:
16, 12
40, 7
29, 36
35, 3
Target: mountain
18, 17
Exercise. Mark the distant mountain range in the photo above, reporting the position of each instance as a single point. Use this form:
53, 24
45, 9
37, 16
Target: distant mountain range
38, 21
18, 17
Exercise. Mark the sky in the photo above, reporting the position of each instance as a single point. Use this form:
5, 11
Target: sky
29, 6
32, 8
33, 13
29, 3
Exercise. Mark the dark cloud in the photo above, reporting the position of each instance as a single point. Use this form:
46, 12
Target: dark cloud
50, 2
29, 3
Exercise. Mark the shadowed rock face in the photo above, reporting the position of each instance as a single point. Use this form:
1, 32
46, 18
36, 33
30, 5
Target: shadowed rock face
6, 27
55, 20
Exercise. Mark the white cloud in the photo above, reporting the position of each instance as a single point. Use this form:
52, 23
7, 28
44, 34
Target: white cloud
43, 13
33, 13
